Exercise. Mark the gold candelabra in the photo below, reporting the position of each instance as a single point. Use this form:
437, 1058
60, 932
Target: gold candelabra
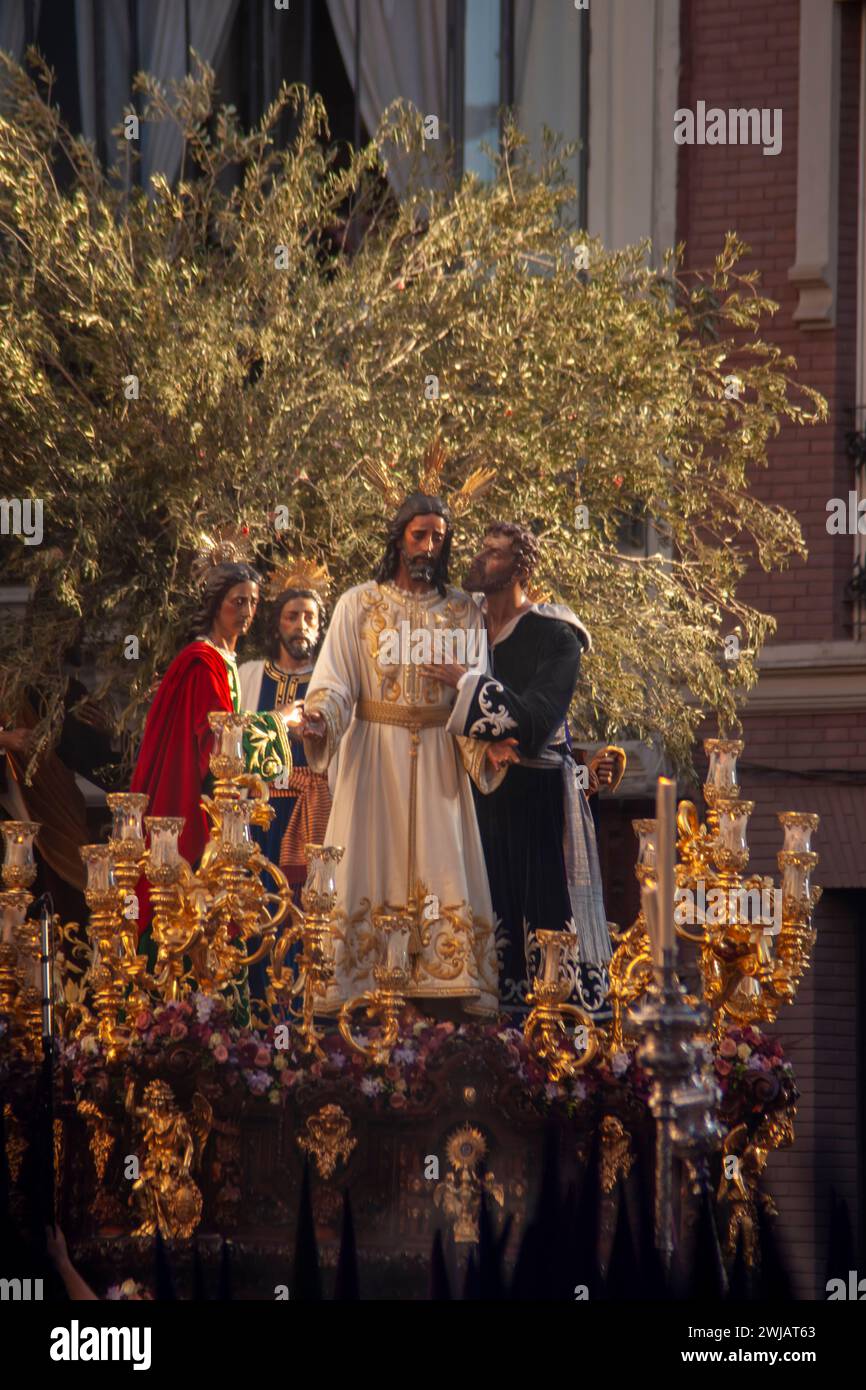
382, 1005
753, 938
20, 994
564, 1052
207, 927
313, 929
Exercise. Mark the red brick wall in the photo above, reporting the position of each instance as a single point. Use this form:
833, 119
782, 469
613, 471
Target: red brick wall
744, 54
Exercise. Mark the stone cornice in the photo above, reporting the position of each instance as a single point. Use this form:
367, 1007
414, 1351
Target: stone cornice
810, 676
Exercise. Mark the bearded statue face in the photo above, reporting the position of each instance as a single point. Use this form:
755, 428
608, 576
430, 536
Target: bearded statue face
421, 546
299, 627
494, 567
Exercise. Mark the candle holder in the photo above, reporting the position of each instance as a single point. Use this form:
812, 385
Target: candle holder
721, 775
799, 827
546, 1029
646, 830
19, 863
127, 846
313, 928
384, 1003
10, 984
630, 971
175, 924
730, 851
799, 900
235, 905
105, 975
227, 761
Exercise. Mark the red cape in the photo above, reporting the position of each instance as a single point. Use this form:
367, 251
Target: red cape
175, 751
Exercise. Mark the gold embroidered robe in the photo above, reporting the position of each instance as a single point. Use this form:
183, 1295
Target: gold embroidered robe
402, 801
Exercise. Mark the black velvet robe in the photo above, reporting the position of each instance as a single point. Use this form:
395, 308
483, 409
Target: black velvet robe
535, 667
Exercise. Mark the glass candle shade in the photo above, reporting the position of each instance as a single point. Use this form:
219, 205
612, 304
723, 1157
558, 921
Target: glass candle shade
228, 731
163, 832
127, 809
552, 943
18, 836
646, 833
797, 869
100, 869
799, 827
322, 868
235, 835
397, 947
649, 907
722, 773
733, 821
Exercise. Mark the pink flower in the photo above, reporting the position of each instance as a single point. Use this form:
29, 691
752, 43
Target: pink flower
398, 1101
143, 1020
727, 1048
263, 1057
221, 1054
178, 1031
723, 1067
287, 1077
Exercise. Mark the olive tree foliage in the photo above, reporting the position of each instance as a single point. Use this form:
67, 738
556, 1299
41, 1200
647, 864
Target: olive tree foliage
238, 350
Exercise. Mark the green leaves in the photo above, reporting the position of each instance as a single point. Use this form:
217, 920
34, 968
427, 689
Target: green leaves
263, 387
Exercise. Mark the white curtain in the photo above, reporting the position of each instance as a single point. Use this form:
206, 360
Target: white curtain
102, 109
12, 25
403, 53
547, 71
161, 51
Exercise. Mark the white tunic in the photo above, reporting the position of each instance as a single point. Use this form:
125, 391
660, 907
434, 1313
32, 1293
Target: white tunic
402, 805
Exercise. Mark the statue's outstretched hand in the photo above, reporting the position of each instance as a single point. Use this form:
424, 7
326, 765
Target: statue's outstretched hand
313, 726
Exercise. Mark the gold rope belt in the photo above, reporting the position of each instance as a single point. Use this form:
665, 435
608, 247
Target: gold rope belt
414, 718
406, 716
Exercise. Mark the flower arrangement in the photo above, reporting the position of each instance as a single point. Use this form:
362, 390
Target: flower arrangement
751, 1069
753, 1074
251, 1061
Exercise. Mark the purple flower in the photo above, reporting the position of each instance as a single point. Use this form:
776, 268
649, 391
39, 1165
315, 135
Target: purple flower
258, 1081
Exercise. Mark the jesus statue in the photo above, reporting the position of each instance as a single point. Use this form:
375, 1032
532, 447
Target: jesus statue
402, 799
